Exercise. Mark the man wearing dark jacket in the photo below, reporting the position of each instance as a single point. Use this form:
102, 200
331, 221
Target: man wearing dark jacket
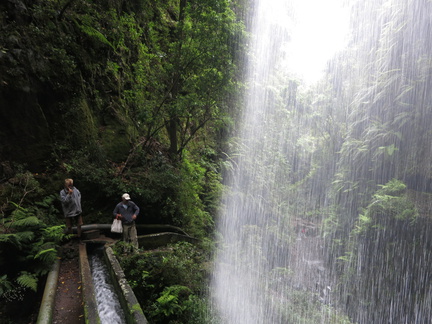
127, 211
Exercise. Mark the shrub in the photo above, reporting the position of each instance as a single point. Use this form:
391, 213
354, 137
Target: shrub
169, 283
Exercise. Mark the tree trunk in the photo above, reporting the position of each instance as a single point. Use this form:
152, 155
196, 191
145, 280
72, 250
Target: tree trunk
172, 134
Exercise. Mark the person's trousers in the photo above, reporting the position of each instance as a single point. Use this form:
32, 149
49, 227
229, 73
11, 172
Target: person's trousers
130, 235
79, 222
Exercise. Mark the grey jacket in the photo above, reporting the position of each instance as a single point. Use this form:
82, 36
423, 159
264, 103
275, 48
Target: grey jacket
71, 204
127, 213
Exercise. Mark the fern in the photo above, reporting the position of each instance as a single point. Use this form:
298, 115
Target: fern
19, 212
27, 280
171, 300
30, 221
9, 239
394, 187
46, 210
47, 201
25, 237
47, 255
5, 285
54, 233
94, 33
21, 218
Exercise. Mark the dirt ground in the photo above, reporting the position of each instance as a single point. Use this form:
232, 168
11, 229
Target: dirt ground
68, 307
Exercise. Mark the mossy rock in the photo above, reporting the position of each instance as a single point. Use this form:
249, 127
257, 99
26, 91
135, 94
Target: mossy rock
115, 142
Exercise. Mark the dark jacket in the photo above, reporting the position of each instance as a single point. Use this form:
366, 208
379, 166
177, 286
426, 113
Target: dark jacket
127, 213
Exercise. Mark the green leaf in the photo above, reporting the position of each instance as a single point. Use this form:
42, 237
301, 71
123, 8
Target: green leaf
26, 222
27, 280
94, 33
10, 239
46, 254
5, 285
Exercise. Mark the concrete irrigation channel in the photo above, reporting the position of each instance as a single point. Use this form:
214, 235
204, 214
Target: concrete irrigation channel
129, 304
155, 236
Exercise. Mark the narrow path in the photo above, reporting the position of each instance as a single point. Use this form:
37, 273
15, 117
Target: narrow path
68, 308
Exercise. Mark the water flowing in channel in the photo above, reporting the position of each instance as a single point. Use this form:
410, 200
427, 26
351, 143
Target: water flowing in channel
108, 304
326, 218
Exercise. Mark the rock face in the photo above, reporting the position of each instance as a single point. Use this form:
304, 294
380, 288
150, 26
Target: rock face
24, 128
55, 94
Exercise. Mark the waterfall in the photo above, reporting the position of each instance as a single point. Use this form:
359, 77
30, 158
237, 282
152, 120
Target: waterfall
263, 257
316, 225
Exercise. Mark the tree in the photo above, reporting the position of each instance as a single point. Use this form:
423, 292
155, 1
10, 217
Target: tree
195, 67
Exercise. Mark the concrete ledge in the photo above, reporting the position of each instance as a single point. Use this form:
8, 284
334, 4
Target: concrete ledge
46, 309
131, 307
141, 228
153, 241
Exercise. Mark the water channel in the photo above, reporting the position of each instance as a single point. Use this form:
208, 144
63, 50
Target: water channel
108, 304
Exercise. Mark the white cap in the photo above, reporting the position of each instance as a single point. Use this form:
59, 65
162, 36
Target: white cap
126, 196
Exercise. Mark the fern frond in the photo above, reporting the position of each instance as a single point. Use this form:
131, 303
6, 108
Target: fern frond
46, 255
54, 233
29, 221
5, 285
19, 213
27, 280
47, 201
93, 32
10, 239
18, 207
25, 237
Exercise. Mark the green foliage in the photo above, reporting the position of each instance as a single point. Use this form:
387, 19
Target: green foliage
171, 302
390, 205
197, 184
28, 248
387, 224
304, 307
23, 188
5, 285
129, 74
169, 283
27, 280
92, 32
184, 194
394, 187
47, 208
54, 233
391, 201
194, 73
48, 256
330, 223
177, 304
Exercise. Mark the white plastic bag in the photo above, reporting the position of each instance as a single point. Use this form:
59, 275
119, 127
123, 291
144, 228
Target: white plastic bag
116, 226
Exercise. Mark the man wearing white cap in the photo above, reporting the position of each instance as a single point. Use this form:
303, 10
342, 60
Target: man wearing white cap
127, 211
